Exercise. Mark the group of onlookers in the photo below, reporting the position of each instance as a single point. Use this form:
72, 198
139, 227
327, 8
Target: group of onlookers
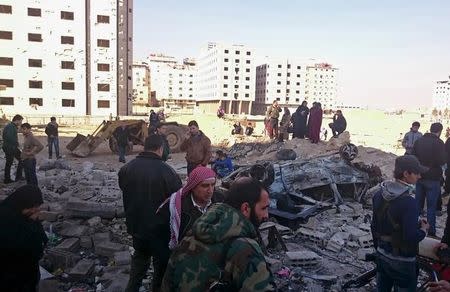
304, 122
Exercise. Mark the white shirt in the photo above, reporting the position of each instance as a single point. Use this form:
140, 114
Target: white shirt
200, 208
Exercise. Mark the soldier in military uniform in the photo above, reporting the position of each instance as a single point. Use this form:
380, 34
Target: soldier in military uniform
222, 253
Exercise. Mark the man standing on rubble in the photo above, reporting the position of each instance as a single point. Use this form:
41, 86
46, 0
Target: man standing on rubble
395, 230
11, 149
223, 254
146, 182
430, 150
197, 147
52, 138
273, 115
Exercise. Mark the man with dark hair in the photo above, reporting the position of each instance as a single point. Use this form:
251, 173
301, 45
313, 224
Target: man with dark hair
430, 150
161, 131
146, 182
122, 136
222, 251
411, 137
197, 147
338, 125
52, 137
11, 149
31, 147
395, 229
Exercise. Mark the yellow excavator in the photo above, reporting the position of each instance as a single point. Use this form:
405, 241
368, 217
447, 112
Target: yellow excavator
82, 146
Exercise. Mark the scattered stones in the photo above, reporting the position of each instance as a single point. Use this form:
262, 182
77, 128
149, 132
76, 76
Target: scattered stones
49, 216
62, 259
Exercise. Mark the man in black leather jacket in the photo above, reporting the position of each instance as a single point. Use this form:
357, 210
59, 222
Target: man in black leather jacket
146, 182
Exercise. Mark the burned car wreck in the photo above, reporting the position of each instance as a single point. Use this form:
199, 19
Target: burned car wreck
300, 189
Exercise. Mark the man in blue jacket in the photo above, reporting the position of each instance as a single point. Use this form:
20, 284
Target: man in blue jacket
396, 228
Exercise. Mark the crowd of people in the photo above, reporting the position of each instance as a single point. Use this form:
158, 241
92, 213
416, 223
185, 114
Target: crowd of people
200, 239
303, 123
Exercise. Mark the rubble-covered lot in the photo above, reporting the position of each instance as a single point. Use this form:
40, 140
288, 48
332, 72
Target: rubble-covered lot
89, 249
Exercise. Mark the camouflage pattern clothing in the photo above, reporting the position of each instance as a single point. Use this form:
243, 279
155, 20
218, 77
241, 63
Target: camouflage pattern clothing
222, 240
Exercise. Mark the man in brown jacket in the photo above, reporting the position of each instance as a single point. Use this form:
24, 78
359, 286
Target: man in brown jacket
197, 147
31, 147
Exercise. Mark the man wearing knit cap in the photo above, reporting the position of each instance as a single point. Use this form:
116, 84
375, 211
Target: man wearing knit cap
188, 203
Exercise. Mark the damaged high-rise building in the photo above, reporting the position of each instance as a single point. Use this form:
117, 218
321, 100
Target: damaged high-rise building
66, 57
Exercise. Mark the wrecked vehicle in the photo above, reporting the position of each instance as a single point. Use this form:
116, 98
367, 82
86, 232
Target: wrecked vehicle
301, 189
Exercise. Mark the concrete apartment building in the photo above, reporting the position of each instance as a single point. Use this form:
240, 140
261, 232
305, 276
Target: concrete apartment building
226, 77
66, 57
441, 95
141, 84
290, 82
173, 83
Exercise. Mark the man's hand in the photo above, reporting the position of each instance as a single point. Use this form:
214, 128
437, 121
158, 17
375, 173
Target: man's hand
441, 286
424, 225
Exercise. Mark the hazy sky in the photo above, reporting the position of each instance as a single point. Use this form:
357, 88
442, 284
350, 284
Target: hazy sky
389, 52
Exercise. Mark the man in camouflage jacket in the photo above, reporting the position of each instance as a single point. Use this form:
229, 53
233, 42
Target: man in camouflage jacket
222, 249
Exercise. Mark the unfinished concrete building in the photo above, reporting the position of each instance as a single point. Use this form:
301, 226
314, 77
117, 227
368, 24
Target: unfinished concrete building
66, 57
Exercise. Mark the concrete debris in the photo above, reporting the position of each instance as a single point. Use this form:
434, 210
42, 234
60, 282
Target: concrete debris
82, 269
70, 244
310, 185
303, 258
122, 258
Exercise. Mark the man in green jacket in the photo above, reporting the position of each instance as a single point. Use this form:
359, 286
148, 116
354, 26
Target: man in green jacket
11, 149
222, 252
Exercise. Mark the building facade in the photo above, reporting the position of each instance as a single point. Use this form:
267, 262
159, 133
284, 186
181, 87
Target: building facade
290, 82
141, 84
226, 78
441, 95
66, 58
173, 83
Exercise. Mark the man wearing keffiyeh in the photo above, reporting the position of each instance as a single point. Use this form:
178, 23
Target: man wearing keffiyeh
188, 203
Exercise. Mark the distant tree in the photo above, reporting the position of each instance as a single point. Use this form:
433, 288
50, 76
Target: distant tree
440, 113
446, 113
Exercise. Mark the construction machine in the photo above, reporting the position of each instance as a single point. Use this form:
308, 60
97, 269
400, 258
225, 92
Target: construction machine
82, 146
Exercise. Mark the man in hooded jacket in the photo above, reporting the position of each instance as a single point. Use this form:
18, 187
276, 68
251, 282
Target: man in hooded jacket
395, 228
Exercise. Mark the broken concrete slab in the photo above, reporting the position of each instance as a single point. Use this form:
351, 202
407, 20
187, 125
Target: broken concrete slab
87, 209
355, 232
366, 241
74, 231
86, 242
62, 259
303, 258
49, 216
98, 238
314, 236
108, 248
122, 258
82, 269
337, 241
69, 244
94, 221
362, 252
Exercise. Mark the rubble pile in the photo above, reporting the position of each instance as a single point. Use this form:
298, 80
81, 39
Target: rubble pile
324, 252
89, 248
